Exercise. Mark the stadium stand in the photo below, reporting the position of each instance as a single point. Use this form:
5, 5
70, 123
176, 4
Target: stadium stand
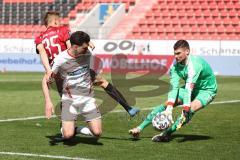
164, 19
190, 19
22, 18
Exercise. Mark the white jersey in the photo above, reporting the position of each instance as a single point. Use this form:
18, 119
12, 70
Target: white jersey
77, 84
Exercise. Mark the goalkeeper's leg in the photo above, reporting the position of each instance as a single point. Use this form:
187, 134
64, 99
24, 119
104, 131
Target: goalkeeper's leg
202, 98
151, 115
148, 120
183, 119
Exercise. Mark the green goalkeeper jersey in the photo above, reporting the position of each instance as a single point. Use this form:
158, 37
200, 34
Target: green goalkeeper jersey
197, 75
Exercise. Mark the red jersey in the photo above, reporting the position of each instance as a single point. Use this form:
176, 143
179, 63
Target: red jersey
54, 40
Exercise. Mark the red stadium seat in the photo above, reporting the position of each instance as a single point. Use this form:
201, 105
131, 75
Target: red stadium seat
196, 19
167, 19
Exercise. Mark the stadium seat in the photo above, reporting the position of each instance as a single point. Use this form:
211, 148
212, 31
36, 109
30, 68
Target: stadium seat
167, 19
195, 19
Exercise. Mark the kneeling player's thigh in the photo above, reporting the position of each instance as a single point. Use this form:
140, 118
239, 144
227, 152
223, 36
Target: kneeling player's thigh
66, 114
93, 118
68, 120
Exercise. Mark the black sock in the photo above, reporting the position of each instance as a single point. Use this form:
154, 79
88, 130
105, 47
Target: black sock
115, 94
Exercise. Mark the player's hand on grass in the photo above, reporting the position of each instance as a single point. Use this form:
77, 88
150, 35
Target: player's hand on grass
49, 109
135, 132
168, 113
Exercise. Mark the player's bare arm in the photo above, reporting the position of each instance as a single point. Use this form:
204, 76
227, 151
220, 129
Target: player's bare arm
49, 108
44, 58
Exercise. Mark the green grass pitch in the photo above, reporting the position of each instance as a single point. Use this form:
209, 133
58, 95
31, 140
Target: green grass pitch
214, 132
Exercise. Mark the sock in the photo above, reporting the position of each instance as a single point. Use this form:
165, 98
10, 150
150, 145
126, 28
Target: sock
83, 130
115, 94
150, 116
181, 121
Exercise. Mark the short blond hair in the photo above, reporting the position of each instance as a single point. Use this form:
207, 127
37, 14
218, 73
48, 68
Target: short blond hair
49, 16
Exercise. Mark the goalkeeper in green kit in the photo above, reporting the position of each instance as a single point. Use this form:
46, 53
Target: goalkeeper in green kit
199, 90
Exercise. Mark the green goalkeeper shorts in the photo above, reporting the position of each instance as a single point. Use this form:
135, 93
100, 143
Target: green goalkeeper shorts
205, 97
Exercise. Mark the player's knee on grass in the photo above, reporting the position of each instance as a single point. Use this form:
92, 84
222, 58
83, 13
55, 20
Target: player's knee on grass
97, 133
96, 127
68, 129
68, 134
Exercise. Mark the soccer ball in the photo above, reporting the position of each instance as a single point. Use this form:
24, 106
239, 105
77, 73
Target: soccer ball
161, 122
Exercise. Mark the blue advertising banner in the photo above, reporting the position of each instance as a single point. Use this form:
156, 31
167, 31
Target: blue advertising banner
224, 65
20, 62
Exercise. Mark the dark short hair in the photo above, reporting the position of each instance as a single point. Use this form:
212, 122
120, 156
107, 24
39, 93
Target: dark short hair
181, 44
79, 37
48, 16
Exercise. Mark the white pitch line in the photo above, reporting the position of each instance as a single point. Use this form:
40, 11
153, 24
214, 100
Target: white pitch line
114, 111
145, 109
224, 102
41, 155
20, 80
22, 119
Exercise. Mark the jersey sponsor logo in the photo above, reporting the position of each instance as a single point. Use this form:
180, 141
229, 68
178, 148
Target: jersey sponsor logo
79, 71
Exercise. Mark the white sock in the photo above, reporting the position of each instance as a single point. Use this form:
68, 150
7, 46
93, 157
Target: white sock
84, 130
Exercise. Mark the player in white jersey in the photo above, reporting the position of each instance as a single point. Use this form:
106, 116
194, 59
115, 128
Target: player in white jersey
75, 71
78, 97
53, 41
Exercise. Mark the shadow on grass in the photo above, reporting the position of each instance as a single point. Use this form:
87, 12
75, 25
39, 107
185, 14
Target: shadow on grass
124, 138
56, 139
180, 138
189, 137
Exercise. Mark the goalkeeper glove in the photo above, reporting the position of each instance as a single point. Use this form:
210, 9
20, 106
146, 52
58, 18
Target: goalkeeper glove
168, 113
